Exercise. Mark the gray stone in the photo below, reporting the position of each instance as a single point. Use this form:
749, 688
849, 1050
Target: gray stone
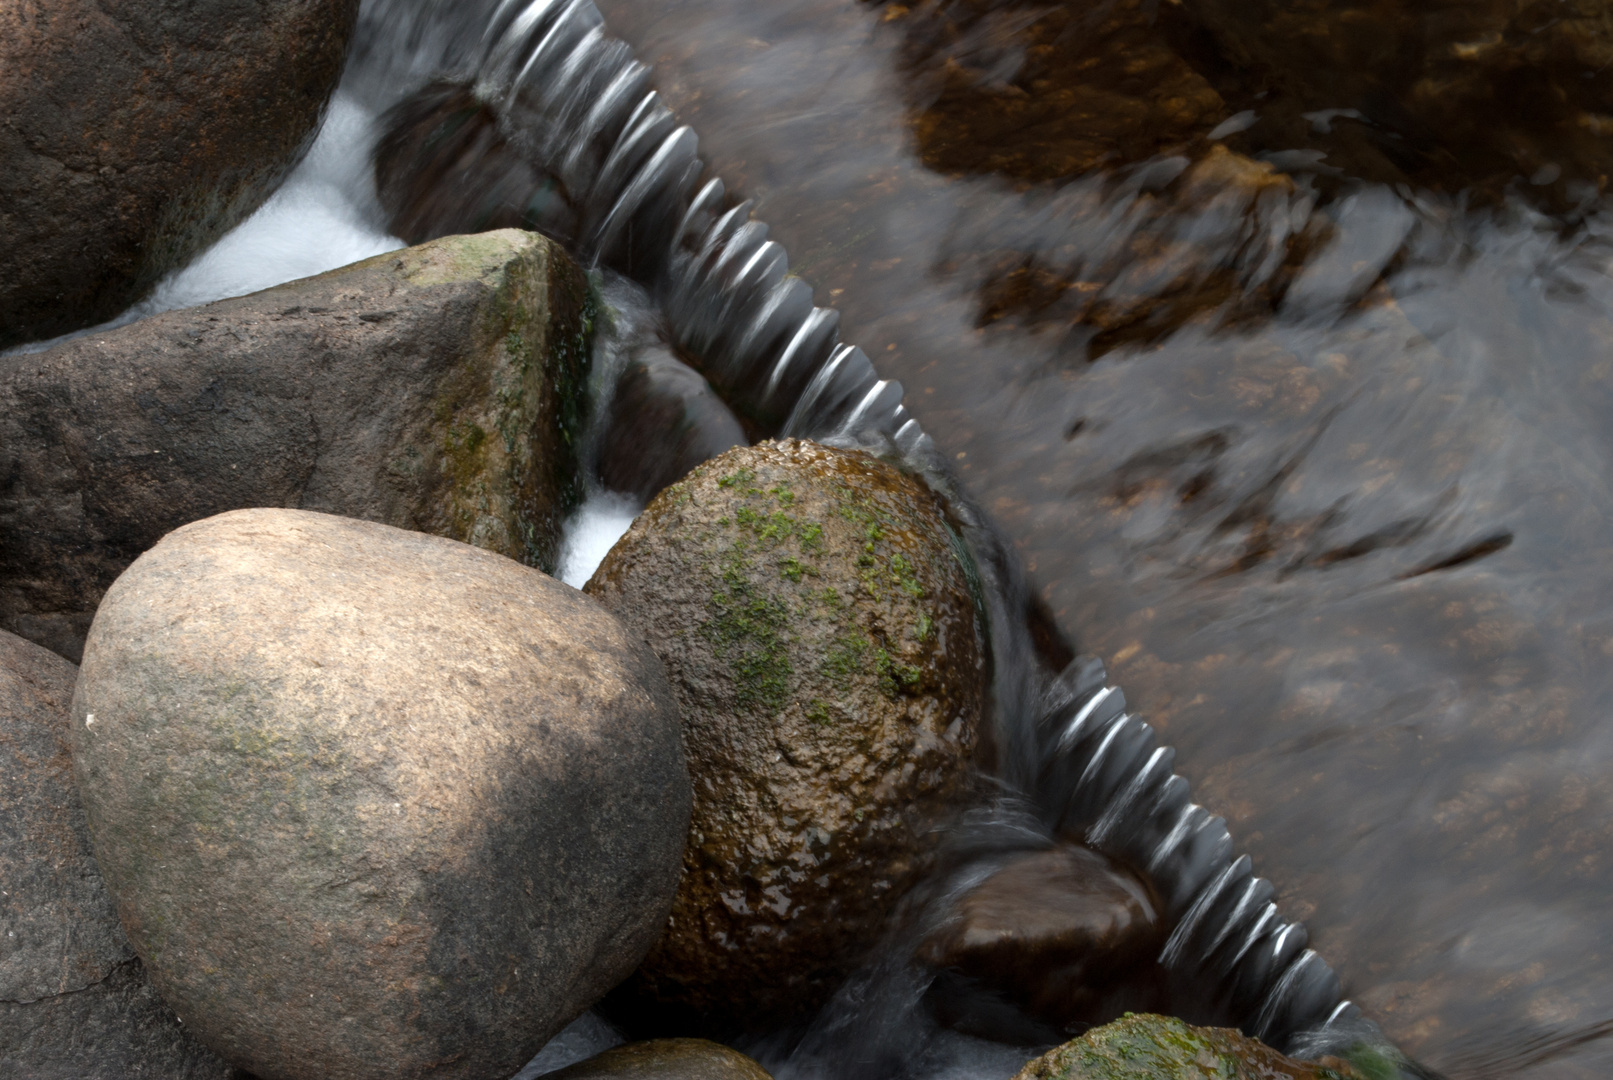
74, 1001
136, 134
374, 804
439, 388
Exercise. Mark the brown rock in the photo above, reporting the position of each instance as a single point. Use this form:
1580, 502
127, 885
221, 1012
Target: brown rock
74, 1001
818, 627
1065, 934
442, 167
374, 803
136, 134
439, 388
666, 1059
1146, 1047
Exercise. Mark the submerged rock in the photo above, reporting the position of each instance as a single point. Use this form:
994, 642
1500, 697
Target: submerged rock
666, 1059
372, 803
1064, 934
136, 134
815, 616
664, 420
442, 167
439, 388
74, 1001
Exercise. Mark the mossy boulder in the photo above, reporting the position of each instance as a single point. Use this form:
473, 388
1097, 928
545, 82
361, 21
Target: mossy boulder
666, 1059
373, 804
815, 614
438, 388
1148, 1047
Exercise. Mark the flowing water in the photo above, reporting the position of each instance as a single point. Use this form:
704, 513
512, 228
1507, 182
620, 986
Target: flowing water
1313, 457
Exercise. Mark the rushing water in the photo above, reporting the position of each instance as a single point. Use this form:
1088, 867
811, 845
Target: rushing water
1316, 464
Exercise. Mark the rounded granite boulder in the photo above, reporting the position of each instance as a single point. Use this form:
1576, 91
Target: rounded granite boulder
372, 803
815, 615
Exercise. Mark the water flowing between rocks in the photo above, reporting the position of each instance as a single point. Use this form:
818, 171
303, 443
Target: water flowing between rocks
1318, 462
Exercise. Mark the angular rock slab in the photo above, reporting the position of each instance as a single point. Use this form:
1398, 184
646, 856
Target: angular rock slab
372, 803
438, 388
136, 134
74, 1002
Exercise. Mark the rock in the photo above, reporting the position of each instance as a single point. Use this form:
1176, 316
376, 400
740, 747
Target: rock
819, 630
666, 1059
136, 134
442, 167
1064, 934
439, 388
372, 803
664, 420
74, 1002
1148, 1047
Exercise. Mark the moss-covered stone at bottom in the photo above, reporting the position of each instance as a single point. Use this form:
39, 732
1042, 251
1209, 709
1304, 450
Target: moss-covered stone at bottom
1142, 1046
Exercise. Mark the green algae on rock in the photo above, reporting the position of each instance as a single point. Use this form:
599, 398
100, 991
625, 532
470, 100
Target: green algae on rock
816, 620
1142, 1046
440, 388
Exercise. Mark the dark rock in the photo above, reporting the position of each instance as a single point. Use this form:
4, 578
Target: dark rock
439, 388
1147, 1047
1064, 934
74, 1001
442, 167
372, 803
820, 633
664, 420
666, 1059
136, 134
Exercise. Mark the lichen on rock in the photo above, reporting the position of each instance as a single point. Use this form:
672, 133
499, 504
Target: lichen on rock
814, 612
1142, 1046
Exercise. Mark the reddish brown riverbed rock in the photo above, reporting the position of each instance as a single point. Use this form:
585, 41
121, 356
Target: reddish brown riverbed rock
818, 627
136, 134
374, 804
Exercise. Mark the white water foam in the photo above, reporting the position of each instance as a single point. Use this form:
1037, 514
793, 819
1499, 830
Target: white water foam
591, 532
584, 1037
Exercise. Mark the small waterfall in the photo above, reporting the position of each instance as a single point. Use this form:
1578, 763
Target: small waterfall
580, 106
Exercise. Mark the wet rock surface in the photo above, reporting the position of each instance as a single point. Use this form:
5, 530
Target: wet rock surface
819, 632
74, 1000
1064, 934
136, 134
664, 420
442, 167
1147, 1047
666, 1059
1350, 560
374, 803
438, 388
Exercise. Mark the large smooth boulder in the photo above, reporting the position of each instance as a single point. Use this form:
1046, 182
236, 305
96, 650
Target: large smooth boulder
136, 134
816, 620
373, 803
74, 1001
441, 388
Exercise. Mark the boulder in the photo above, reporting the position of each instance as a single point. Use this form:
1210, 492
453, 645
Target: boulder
1064, 934
443, 167
664, 419
439, 388
136, 134
74, 1001
666, 1059
373, 803
1142, 1046
815, 615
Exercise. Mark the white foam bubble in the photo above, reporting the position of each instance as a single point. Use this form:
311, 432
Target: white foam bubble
591, 532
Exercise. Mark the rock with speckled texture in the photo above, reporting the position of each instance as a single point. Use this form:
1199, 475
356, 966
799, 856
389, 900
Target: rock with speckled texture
374, 804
